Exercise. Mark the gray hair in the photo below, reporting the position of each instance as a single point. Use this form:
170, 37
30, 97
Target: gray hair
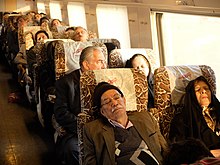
80, 27
88, 52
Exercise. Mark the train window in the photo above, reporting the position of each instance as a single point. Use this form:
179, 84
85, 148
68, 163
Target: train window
55, 10
76, 14
191, 39
41, 7
113, 23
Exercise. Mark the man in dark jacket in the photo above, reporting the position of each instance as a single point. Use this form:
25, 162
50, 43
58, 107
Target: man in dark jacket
67, 105
118, 137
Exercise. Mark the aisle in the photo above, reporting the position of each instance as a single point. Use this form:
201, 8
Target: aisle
23, 140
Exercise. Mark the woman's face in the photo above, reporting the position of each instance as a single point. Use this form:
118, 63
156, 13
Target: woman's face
45, 22
203, 93
41, 37
140, 63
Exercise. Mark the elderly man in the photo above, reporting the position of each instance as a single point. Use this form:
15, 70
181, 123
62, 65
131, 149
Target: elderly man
67, 104
80, 34
120, 138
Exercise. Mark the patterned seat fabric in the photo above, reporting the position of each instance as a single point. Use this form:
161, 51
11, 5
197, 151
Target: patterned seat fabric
132, 83
58, 57
59, 33
111, 44
118, 57
33, 30
38, 50
170, 83
67, 53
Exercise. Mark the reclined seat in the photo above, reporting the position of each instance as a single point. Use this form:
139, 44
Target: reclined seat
118, 57
60, 57
111, 44
133, 84
67, 53
170, 83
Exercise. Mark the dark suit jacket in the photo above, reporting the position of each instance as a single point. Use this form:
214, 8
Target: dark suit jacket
67, 105
99, 140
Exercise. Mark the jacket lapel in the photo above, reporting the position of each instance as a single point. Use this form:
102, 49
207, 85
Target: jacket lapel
108, 134
142, 131
145, 135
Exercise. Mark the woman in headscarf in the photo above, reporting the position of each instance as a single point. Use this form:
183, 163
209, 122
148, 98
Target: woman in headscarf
200, 117
139, 61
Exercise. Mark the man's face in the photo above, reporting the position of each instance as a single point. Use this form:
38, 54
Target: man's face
80, 34
113, 105
95, 62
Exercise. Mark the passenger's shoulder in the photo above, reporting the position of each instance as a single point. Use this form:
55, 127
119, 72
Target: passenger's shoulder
141, 114
95, 124
70, 76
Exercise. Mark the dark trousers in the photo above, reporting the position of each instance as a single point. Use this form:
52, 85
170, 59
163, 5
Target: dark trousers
67, 149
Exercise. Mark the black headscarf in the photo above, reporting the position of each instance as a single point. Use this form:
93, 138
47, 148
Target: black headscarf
150, 78
195, 124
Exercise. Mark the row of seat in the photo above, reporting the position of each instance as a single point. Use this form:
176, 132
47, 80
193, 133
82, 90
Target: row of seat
170, 82
56, 57
60, 56
57, 52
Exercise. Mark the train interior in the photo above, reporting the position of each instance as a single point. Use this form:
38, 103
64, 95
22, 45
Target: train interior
180, 39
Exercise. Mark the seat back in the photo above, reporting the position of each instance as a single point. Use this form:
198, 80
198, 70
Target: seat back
59, 32
133, 84
33, 29
67, 54
111, 44
33, 69
59, 57
170, 83
118, 57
